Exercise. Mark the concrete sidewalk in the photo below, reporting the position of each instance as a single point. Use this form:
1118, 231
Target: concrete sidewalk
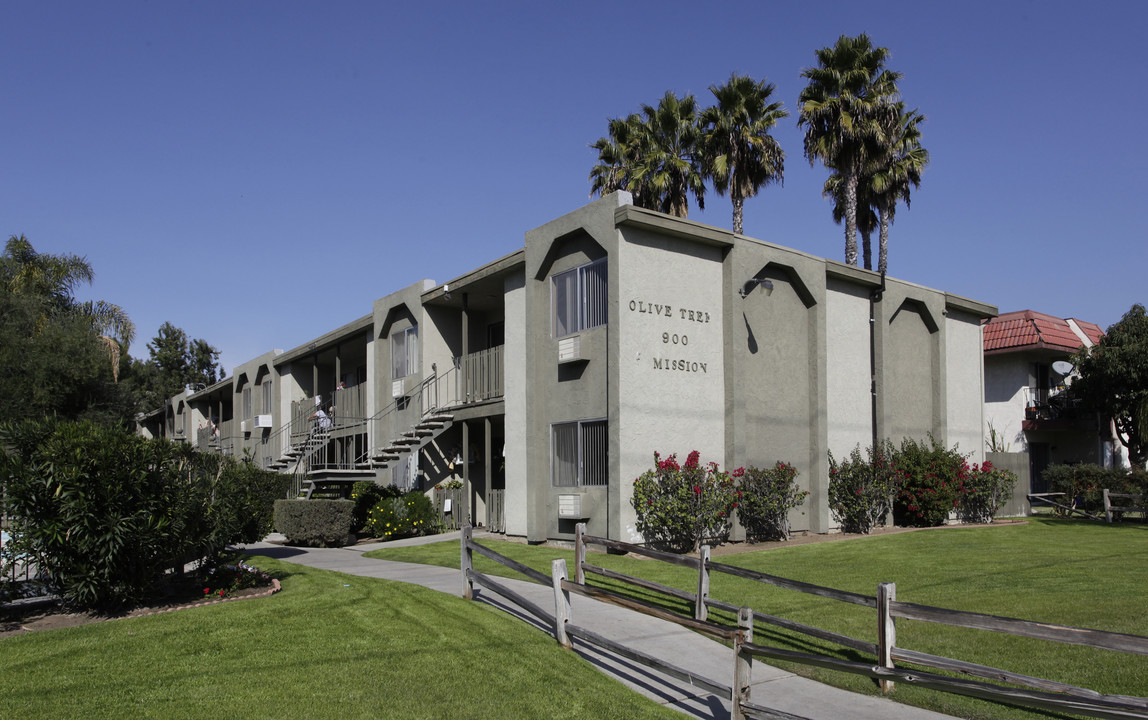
772, 687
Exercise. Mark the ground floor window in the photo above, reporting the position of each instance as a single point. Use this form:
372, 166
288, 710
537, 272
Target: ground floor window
579, 454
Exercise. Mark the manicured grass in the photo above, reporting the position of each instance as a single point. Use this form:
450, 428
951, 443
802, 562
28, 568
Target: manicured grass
328, 646
1082, 574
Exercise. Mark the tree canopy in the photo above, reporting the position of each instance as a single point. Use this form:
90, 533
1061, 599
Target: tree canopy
1114, 380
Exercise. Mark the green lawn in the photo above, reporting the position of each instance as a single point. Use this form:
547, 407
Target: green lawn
327, 646
1066, 572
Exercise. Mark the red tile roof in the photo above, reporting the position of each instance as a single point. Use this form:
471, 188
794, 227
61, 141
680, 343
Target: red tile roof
1028, 330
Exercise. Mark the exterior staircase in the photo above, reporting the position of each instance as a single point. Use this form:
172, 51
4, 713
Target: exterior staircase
412, 440
301, 449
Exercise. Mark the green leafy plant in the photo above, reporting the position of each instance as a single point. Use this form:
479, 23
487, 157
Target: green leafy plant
315, 523
408, 516
225, 580
366, 495
983, 491
765, 498
930, 476
680, 506
861, 489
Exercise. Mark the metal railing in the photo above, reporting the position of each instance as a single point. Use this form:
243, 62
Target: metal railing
481, 375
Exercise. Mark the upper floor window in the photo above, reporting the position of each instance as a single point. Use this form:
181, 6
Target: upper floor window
247, 414
579, 298
266, 397
405, 352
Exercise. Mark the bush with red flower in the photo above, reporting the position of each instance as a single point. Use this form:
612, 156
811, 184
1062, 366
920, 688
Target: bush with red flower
984, 489
861, 489
681, 506
765, 498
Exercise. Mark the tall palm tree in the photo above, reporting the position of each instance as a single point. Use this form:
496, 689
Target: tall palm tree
897, 172
866, 219
739, 153
655, 155
54, 278
842, 108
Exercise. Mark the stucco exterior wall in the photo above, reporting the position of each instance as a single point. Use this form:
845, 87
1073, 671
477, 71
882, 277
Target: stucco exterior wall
517, 478
848, 369
964, 380
669, 355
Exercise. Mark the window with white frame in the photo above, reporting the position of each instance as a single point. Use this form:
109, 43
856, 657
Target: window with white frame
579, 454
405, 352
266, 397
579, 298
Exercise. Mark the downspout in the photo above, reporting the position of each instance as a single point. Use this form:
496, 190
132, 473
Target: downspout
874, 296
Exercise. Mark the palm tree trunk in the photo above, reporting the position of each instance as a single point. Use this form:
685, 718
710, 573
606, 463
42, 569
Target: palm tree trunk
738, 206
867, 248
883, 251
851, 217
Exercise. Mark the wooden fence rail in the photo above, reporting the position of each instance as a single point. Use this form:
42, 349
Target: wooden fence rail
1109, 508
1036, 693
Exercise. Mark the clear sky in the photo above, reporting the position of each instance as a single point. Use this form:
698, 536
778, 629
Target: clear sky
259, 172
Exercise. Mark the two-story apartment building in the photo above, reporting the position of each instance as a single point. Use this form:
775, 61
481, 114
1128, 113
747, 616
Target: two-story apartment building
555, 372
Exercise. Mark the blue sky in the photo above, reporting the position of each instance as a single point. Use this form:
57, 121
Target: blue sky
257, 173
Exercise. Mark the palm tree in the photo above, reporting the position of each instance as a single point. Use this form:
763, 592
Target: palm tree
655, 155
865, 218
842, 108
739, 153
54, 278
896, 172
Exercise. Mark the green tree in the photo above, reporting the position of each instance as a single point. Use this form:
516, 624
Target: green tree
1114, 380
655, 155
739, 154
894, 173
844, 110
180, 362
54, 278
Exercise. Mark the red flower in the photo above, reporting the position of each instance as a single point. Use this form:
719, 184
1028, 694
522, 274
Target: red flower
697, 490
207, 591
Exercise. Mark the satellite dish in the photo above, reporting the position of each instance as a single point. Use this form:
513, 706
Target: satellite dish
1062, 367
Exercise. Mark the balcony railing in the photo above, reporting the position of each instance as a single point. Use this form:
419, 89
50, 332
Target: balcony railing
480, 375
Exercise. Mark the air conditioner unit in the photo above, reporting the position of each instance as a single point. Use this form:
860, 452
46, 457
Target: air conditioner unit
570, 349
570, 507
262, 421
397, 390
243, 426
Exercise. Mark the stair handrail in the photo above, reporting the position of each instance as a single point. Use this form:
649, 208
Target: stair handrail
429, 400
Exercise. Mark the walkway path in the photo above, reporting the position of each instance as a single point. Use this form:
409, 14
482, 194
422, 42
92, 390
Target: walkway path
772, 687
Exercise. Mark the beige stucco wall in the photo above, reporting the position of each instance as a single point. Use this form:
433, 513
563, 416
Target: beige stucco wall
671, 380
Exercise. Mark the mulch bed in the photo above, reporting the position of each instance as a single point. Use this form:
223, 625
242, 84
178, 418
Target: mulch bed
49, 615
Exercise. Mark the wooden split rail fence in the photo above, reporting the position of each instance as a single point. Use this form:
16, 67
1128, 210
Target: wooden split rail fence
1109, 508
1035, 692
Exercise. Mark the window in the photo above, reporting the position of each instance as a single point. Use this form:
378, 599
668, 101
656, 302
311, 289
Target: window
580, 454
247, 403
405, 352
579, 298
266, 397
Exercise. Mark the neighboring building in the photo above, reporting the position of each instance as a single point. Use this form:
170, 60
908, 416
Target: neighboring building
548, 378
1027, 370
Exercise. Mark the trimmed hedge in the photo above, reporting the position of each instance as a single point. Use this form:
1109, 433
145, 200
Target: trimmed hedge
1084, 484
316, 523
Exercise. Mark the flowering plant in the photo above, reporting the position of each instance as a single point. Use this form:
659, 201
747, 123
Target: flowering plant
407, 516
766, 497
861, 490
984, 489
225, 580
679, 506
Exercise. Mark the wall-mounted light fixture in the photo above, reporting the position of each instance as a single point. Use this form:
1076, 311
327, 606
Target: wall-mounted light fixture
765, 283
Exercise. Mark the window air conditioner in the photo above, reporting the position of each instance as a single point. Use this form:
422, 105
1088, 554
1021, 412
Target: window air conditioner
570, 507
570, 349
262, 421
243, 426
397, 389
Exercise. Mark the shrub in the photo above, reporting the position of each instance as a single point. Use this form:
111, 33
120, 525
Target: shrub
766, 497
315, 523
861, 490
983, 491
367, 495
1084, 485
680, 506
105, 514
929, 478
408, 516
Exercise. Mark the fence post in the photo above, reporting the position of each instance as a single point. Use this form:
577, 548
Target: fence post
466, 562
700, 609
561, 602
579, 553
886, 630
1107, 507
743, 662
